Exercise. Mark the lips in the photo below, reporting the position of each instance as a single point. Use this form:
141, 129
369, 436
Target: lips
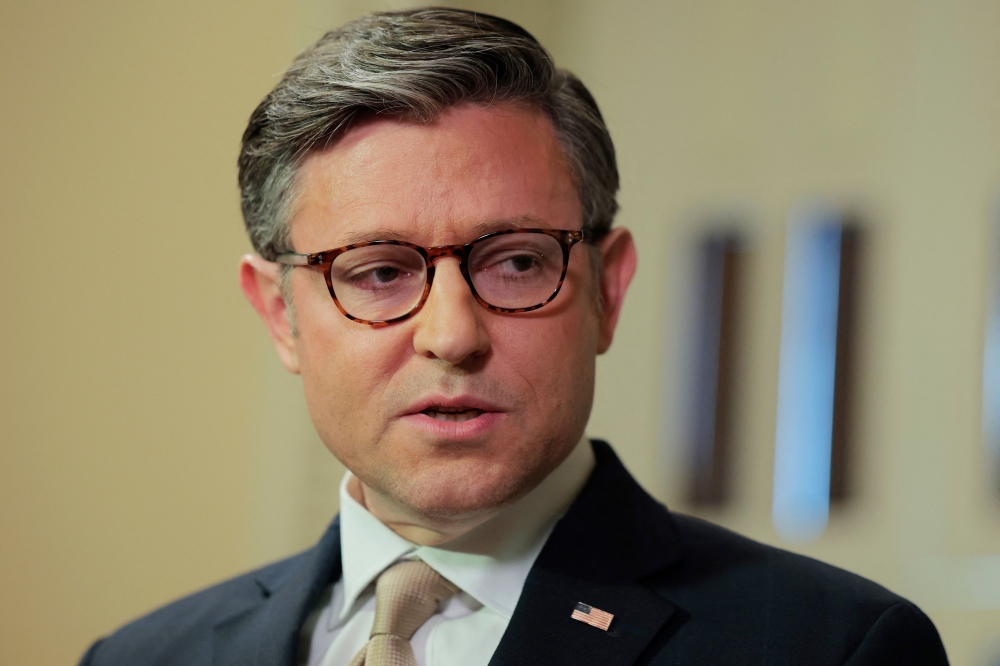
457, 415
457, 408
454, 418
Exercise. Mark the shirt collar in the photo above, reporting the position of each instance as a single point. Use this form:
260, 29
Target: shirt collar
490, 563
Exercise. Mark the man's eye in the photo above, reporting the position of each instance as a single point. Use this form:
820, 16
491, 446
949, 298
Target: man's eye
513, 262
385, 273
376, 277
521, 263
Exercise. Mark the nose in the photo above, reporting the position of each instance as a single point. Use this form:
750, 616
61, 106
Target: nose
449, 326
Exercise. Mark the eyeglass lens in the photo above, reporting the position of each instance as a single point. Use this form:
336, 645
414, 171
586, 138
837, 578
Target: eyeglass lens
511, 271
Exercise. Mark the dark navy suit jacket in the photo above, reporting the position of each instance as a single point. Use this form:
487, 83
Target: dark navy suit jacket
682, 592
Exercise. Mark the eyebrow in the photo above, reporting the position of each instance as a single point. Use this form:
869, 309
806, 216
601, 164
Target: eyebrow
519, 222
481, 229
377, 234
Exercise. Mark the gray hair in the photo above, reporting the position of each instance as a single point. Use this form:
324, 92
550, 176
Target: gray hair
415, 64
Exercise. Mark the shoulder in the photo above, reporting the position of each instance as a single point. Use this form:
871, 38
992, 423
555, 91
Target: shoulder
714, 555
181, 631
774, 602
735, 600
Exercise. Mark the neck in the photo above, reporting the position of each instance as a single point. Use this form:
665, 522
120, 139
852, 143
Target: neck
418, 529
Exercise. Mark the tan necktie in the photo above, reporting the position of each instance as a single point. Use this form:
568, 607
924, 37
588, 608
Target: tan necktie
406, 595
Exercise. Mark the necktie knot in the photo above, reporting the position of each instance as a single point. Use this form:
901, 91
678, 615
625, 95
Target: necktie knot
406, 595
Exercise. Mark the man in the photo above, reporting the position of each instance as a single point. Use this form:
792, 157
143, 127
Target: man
431, 201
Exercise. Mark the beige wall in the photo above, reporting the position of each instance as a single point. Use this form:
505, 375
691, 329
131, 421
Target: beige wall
149, 443
129, 373
887, 107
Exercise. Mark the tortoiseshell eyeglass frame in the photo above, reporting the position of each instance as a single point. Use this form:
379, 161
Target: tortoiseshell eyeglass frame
323, 262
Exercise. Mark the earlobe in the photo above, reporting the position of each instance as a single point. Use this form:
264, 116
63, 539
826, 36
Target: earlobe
619, 260
261, 284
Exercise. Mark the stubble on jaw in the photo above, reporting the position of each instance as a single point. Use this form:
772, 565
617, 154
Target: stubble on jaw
455, 481
462, 490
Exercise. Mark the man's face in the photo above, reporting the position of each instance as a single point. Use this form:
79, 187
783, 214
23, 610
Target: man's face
457, 410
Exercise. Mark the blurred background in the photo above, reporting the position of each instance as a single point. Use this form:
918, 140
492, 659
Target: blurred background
813, 188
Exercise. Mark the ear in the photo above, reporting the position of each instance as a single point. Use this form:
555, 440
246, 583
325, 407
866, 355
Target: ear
618, 260
261, 284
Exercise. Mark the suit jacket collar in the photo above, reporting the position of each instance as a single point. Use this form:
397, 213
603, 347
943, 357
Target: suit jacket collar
613, 536
267, 633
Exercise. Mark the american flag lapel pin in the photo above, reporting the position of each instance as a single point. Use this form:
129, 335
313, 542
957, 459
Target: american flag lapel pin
595, 617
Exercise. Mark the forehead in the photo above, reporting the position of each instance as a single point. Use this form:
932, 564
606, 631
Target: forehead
468, 171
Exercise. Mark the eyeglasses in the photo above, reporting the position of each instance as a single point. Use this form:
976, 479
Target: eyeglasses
385, 281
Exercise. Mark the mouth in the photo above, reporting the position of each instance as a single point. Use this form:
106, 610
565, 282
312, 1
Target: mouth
454, 414
454, 418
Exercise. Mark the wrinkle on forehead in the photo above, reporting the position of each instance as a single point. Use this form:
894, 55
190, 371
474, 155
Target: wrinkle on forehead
479, 229
429, 183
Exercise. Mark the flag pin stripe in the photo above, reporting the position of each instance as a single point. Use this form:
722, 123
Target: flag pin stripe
595, 617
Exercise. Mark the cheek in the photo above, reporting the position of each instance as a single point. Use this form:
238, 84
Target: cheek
577, 355
555, 355
345, 368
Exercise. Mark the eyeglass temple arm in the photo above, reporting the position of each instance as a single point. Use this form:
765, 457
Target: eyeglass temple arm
292, 259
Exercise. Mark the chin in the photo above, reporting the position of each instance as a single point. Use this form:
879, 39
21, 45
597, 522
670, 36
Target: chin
456, 489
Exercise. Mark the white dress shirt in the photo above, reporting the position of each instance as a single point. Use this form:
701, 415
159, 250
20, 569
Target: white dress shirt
489, 565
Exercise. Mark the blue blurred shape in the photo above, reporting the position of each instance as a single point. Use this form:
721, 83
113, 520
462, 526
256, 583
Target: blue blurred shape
991, 381
806, 374
991, 352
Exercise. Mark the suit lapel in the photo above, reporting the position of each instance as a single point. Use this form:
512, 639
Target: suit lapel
613, 536
267, 634
542, 630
